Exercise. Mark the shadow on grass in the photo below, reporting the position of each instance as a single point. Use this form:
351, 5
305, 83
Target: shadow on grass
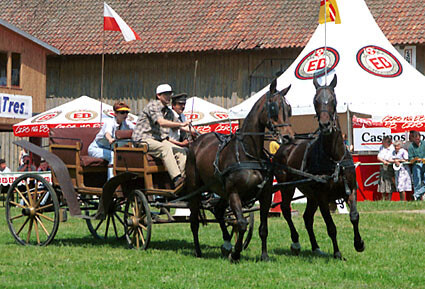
88, 241
304, 254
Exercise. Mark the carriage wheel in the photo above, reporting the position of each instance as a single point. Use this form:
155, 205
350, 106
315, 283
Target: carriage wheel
234, 233
32, 210
138, 221
110, 228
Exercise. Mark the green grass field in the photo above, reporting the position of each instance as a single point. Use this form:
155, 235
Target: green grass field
394, 256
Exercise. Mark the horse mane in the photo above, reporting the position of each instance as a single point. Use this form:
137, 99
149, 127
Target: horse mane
255, 108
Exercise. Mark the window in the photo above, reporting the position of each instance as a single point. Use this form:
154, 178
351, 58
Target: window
3, 68
16, 69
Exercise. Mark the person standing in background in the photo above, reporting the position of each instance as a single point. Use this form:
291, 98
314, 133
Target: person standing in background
402, 171
416, 158
386, 175
3, 166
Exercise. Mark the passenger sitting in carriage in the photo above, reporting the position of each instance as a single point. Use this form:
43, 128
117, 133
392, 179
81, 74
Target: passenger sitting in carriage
152, 128
101, 147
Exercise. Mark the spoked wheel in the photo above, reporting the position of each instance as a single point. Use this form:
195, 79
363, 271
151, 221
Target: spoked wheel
231, 222
138, 221
32, 210
110, 228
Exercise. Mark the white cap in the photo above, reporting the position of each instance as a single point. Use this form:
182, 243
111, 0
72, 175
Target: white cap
163, 88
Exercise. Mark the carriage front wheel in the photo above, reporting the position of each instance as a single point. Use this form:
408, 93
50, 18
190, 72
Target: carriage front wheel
138, 221
32, 210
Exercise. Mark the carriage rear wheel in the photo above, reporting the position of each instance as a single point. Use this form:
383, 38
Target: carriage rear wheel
138, 221
32, 210
231, 222
110, 228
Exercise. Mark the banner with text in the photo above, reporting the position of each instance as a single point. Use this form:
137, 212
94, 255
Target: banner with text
15, 106
368, 134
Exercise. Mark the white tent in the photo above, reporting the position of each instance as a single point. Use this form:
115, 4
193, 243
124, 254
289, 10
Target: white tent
203, 112
372, 77
81, 112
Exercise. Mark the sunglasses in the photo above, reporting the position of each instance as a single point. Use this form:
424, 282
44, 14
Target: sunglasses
123, 112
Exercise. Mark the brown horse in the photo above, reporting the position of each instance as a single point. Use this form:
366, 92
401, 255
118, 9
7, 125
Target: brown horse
237, 169
327, 156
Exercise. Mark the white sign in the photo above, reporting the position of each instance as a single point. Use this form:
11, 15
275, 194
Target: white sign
15, 106
7, 179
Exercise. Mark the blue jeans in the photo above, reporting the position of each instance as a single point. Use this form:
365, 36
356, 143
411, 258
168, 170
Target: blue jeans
418, 171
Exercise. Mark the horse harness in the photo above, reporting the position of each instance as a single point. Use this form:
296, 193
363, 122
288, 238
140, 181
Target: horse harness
264, 165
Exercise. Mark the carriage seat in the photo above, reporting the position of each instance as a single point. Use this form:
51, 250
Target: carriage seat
72, 136
122, 135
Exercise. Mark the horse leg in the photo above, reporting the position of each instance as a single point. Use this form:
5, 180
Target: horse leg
265, 203
219, 211
308, 217
286, 211
241, 225
331, 228
354, 218
194, 223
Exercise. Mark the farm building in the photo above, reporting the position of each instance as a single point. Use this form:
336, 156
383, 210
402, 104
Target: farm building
239, 45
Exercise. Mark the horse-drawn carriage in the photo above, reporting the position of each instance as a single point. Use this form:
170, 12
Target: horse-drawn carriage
236, 168
122, 208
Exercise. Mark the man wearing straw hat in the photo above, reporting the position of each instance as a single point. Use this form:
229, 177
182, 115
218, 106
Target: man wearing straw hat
152, 128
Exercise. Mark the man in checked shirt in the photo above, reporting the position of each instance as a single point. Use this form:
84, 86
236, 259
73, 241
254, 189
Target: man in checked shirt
153, 126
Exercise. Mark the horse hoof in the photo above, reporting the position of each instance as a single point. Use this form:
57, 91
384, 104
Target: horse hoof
225, 252
296, 248
232, 259
198, 254
265, 258
319, 252
359, 246
338, 255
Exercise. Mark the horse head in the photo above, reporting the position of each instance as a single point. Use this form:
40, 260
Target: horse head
325, 105
276, 113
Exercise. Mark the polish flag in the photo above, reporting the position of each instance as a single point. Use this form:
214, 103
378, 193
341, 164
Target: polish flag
112, 21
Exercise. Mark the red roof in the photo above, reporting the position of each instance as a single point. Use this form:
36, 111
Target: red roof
76, 26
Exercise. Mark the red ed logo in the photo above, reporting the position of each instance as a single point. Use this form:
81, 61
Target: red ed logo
81, 115
194, 115
378, 61
109, 112
219, 115
316, 61
46, 116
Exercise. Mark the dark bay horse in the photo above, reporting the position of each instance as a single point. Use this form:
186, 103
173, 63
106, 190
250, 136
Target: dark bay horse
327, 156
237, 169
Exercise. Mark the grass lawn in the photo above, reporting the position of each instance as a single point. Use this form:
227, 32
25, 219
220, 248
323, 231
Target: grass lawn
394, 234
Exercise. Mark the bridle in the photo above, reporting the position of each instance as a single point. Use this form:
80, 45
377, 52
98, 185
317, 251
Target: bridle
272, 108
323, 98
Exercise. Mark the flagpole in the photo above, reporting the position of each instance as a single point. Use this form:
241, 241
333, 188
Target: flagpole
326, 65
103, 65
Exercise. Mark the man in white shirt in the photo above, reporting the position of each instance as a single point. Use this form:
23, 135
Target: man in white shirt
3, 167
178, 136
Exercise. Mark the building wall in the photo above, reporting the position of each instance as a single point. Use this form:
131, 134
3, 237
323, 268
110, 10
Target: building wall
33, 70
224, 78
33, 83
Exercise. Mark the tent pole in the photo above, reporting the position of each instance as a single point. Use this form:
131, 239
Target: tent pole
349, 127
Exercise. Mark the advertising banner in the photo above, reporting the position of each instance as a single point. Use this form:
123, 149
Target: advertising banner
15, 106
6, 179
367, 176
368, 134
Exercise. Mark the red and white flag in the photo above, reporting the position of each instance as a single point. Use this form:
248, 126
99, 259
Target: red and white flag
112, 21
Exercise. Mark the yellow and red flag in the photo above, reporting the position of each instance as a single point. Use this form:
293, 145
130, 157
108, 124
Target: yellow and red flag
332, 13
